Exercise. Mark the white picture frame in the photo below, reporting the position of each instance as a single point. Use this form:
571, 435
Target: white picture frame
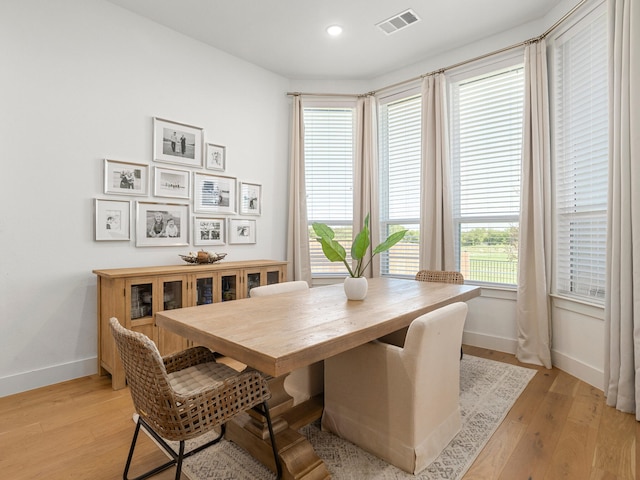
214, 194
112, 220
178, 143
172, 183
242, 231
215, 157
125, 178
209, 230
250, 198
162, 224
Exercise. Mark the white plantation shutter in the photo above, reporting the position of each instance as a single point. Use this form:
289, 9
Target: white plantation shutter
400, 147
329, 150
486, 152
581, 157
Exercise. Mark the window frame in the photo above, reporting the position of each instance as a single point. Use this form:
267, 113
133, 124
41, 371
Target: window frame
504, 62
331, 269
556, 40
387, 224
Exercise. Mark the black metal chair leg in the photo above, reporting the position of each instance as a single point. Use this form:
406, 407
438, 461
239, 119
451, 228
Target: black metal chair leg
179, 461
156, 470
265, 412
177, 457
131, 449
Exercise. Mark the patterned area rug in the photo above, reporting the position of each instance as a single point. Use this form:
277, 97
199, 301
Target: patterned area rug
488, 390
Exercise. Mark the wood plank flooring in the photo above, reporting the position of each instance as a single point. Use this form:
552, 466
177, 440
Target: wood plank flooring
559, 429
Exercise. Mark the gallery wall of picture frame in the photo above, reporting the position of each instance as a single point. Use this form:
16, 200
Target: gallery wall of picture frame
195, 176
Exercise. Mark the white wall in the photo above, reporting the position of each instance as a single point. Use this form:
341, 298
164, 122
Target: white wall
81, 81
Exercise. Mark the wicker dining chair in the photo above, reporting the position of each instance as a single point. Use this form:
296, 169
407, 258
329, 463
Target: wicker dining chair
184, 395
441, 276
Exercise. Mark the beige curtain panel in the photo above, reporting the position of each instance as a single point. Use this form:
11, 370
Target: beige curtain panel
299, 267
436, 224
622, 304
532, 305
366, 175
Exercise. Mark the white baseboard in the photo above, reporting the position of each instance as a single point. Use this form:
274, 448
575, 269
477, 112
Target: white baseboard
501, 344
60, 373
578, 369
21, 382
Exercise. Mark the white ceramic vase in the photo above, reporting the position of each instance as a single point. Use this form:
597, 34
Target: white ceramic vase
356, 288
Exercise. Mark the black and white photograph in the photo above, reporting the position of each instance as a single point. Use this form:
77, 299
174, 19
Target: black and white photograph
214, 194
216, 157
178, 143
169, 182
242, 231
250, 198
125, 178
208, 231
112, 220
161, 224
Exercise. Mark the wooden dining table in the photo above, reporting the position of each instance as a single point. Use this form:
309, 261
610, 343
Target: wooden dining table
281, 333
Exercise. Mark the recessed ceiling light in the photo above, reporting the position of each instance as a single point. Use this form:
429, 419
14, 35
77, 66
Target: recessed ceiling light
334, 30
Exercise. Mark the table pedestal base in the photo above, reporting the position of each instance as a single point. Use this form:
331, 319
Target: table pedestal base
298, 459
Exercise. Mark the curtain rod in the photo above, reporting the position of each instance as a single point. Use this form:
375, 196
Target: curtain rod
459, 64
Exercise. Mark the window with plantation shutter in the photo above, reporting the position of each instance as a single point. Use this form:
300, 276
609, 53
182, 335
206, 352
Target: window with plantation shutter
329, 151
580, 106
486, 153
400, 153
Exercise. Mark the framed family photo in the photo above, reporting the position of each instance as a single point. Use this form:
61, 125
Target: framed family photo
170, 182
162, 224
213, 193
175, 142
216, 157
242, 231
112, 220
125, 178
250, 198
208, 231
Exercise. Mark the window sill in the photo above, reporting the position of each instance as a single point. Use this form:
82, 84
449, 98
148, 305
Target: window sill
578, 306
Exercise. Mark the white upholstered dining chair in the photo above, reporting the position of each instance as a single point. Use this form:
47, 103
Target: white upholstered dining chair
275, 288
441, 276
306, 382
400, 403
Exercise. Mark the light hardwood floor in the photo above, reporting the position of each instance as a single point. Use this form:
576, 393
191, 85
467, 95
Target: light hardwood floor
559, 428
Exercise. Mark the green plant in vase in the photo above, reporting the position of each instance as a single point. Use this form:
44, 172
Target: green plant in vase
335, 252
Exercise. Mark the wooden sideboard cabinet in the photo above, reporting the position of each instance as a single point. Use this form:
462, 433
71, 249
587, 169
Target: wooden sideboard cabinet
135, 295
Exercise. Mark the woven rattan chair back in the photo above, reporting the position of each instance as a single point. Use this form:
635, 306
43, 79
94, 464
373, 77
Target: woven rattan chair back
440, 276
148, 382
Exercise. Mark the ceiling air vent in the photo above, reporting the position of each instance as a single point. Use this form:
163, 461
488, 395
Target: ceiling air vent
398, 22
